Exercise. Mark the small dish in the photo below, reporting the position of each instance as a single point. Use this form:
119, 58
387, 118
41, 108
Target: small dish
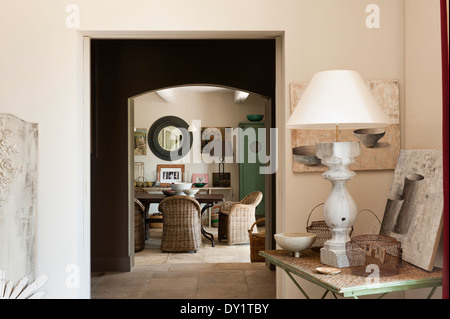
169, 192
255, 117
328, 270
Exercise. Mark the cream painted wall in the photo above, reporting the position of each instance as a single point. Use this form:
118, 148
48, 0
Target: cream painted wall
423, 94
41, 80
423, 71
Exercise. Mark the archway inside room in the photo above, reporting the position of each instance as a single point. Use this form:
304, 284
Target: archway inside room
121, 69
205, 110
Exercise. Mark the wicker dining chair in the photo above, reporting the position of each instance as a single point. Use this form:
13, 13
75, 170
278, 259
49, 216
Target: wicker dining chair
139, 226
181, 224
236, 218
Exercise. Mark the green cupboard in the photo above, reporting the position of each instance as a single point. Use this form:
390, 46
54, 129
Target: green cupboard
250, 179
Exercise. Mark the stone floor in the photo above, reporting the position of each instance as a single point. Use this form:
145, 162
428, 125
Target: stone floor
220, 272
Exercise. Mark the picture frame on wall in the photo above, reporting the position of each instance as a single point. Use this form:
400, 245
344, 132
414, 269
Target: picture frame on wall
216, 137
169, 173
140, 141
200, 178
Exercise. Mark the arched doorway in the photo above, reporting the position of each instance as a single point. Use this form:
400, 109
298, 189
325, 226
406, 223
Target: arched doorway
205, 110
124, 68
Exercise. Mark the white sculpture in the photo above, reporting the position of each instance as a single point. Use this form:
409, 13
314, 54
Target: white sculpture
21, 290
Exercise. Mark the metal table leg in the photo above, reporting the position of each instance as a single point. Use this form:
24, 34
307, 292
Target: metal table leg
431, 293
325, 294
303, 291
296, 283
207, 235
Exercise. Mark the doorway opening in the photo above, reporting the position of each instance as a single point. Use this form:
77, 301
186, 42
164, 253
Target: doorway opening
206, 110
125, 68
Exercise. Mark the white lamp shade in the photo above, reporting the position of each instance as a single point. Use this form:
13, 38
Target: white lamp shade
337, 97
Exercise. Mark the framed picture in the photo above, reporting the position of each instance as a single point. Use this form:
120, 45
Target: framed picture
167, 174
220, 137
200, 178
140, 141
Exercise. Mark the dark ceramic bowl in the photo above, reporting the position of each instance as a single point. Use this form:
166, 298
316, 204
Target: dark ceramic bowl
369, 137
199, 185
255, 117
169, 192
306, 155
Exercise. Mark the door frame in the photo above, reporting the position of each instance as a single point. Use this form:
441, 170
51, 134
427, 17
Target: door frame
87, 36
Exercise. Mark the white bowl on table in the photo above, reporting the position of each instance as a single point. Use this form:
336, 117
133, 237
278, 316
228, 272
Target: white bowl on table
191, 191
180, 187
295, 242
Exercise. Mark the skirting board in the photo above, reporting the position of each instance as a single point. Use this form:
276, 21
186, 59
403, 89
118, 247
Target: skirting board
103, 264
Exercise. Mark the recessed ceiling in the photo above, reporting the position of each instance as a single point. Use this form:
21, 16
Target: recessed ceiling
198, 88
169, 95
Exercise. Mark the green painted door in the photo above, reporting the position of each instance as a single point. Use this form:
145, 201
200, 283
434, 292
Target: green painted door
250, 179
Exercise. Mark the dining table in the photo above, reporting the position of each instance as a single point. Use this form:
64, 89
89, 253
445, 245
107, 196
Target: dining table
207, 199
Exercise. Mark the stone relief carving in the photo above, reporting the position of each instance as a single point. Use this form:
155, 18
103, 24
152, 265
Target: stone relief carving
18, 196
8, 169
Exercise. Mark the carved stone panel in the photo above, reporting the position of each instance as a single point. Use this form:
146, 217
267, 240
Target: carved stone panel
414, 209
18, 193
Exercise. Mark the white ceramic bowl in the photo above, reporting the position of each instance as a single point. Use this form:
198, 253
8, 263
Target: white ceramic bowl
179, 187
295, 242
191, 191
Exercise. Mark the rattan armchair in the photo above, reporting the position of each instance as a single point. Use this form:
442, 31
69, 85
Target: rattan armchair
181, 224
139, 226
236, 218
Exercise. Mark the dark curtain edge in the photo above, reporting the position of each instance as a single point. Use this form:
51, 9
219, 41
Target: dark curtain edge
445, 141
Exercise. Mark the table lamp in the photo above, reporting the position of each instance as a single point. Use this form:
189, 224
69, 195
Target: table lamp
337, 99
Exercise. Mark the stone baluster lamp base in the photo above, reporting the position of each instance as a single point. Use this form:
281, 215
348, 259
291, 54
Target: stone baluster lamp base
339, 209
333, 99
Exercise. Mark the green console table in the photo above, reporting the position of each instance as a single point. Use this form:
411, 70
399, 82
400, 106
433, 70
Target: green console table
345, 283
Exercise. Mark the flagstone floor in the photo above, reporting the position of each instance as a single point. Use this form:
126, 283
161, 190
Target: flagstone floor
220, 272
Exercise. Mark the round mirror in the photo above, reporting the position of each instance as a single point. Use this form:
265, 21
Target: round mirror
169, 139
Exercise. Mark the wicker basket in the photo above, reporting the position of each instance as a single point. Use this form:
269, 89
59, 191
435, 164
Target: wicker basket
257, 243
320, 228
156, 220
215, 216
139, 226
378, 254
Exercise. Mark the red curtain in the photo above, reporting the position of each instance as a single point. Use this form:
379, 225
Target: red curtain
445, 134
